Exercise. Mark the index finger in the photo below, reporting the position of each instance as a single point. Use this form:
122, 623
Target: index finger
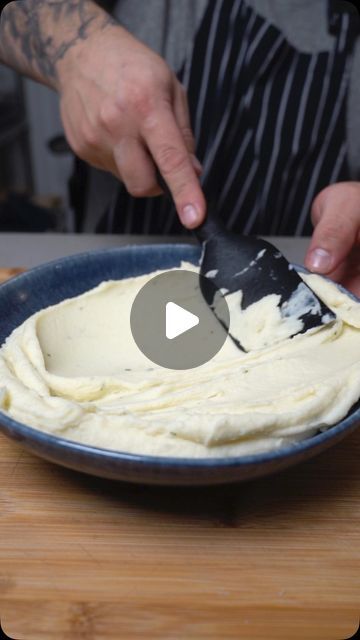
168, 149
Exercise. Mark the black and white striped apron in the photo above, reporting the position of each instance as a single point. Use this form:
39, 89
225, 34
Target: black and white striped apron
269, 123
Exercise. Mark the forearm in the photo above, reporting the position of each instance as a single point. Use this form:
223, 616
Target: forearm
35, 35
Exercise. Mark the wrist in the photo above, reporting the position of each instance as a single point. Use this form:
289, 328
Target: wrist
61, 41
87, 51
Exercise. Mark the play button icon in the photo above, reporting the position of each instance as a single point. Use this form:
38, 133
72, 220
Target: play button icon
178, 320
172, 323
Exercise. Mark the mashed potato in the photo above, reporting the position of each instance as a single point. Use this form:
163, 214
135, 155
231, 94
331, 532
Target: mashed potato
74, 370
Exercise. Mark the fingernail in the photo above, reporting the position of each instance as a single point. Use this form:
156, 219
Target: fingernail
189, 215
320, 260
196, 163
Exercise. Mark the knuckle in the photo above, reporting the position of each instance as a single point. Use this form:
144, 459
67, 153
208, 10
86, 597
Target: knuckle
90, 137
141, 103
159, 75
334, 234
172, 160
138, 100
331, 234
109, 117
153, 119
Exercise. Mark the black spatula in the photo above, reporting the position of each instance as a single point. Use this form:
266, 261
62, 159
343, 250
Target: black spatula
257, 268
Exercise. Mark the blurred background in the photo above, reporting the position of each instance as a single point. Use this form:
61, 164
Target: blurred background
42, 185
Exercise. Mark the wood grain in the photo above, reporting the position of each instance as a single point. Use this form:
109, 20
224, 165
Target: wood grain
86, 558
6, 273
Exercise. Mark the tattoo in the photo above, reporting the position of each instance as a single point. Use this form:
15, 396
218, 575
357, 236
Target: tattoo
36, 34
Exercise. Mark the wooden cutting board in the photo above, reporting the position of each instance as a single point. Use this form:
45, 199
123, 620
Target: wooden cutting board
86, 558
5, 273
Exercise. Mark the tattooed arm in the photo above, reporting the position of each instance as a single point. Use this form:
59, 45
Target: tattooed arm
122, 107
36, 34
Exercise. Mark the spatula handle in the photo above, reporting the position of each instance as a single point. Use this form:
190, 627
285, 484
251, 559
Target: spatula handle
211, 226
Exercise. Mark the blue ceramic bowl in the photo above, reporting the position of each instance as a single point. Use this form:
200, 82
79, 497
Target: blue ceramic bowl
49, 284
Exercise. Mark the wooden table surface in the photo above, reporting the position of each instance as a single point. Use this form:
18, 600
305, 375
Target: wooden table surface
274, 559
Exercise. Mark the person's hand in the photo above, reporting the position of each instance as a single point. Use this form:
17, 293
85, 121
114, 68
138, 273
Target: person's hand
335, 245
124, 111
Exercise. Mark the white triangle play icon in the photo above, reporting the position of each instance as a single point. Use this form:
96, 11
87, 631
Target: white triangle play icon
178, 320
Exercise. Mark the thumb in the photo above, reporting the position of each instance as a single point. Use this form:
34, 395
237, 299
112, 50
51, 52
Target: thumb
336, 217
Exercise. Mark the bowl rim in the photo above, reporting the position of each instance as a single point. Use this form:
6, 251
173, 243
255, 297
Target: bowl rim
46, 438
296, 448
